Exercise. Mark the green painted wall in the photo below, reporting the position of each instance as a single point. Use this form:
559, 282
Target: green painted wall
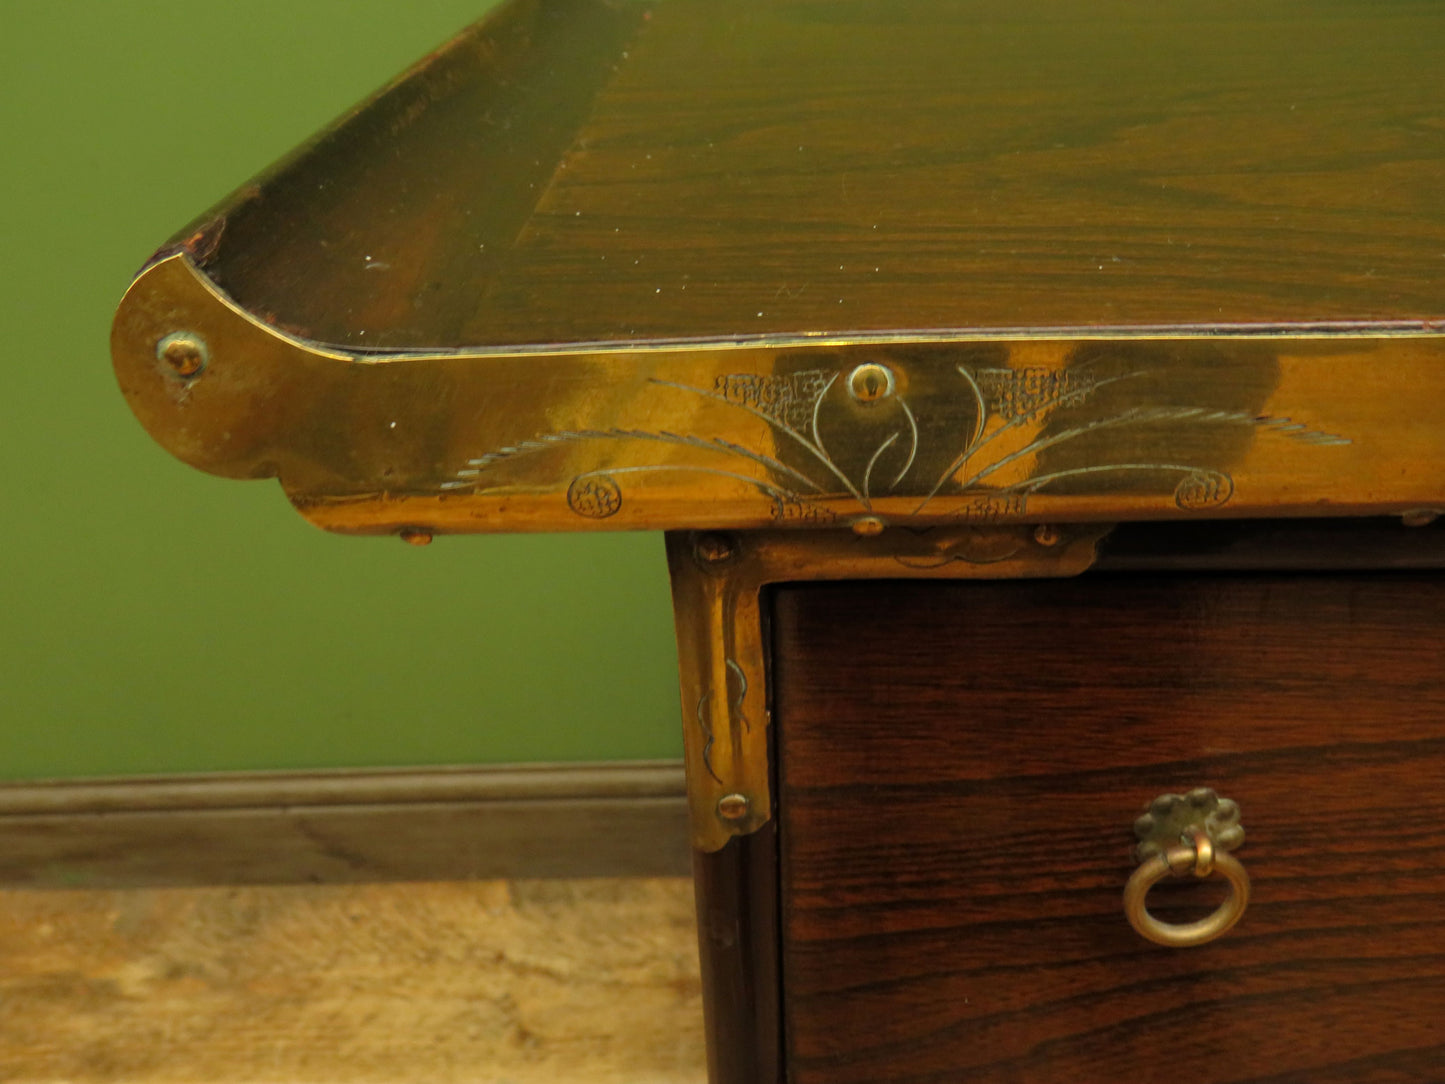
159, 620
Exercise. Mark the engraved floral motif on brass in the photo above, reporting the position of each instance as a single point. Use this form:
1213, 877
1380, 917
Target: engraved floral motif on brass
1000, 428
717, 582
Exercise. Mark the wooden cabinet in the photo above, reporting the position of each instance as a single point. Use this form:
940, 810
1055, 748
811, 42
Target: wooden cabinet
1120, 324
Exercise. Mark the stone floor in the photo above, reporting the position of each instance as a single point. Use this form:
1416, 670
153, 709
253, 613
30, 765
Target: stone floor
493, 982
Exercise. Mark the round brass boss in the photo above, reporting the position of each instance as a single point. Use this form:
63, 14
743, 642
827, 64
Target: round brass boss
871, 382
733, 807
184, 352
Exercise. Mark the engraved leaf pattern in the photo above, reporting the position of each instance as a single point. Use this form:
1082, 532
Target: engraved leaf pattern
795, 407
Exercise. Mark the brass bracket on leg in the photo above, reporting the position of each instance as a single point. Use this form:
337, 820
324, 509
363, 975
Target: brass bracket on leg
717, 584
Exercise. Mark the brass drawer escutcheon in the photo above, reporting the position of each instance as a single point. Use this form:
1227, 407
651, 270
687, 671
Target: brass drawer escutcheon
1187, 833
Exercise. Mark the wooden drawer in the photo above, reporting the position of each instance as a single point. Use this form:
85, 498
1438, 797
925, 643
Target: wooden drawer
960, 768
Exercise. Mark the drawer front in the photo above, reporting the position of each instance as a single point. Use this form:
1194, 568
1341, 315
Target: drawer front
960, 769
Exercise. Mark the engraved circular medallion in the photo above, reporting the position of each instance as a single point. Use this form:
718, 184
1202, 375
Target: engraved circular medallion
596, 496
1203, 489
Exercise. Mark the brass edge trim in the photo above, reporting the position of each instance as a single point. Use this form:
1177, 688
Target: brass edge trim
229, 417
717, 583
926, 429
1343, 330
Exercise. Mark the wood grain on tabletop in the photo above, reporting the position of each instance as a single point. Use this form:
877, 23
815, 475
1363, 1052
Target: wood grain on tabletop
961, 768
521, 982
584, 170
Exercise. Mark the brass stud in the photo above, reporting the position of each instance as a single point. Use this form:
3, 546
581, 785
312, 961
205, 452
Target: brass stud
868, 526
871, 383
184, 352
733, 807
713, 549
1046, 534
416, 536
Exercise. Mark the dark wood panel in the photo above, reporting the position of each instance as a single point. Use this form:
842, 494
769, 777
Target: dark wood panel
558, 820
961, 766
582, 170
1415, 541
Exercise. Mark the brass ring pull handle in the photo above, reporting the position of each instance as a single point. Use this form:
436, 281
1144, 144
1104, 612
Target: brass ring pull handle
1183, 834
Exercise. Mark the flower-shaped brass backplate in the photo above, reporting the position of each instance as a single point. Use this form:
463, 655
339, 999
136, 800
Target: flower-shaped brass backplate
1173, 816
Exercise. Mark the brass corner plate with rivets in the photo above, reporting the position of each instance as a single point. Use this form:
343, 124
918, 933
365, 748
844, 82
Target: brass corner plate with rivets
717, 584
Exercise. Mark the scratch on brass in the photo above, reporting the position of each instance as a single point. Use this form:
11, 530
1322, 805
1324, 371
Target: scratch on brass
734, 670
705, 724
735, 704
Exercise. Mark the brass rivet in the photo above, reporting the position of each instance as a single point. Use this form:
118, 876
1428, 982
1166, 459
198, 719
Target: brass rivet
733, 807
868, 526
1420, 517
714, 548
416, 536
1046, 534
871, 382
184, 352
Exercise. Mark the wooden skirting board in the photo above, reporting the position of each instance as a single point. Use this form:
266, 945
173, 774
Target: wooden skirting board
518, 821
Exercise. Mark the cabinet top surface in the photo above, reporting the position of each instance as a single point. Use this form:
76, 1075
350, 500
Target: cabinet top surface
602, 264
581, 171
